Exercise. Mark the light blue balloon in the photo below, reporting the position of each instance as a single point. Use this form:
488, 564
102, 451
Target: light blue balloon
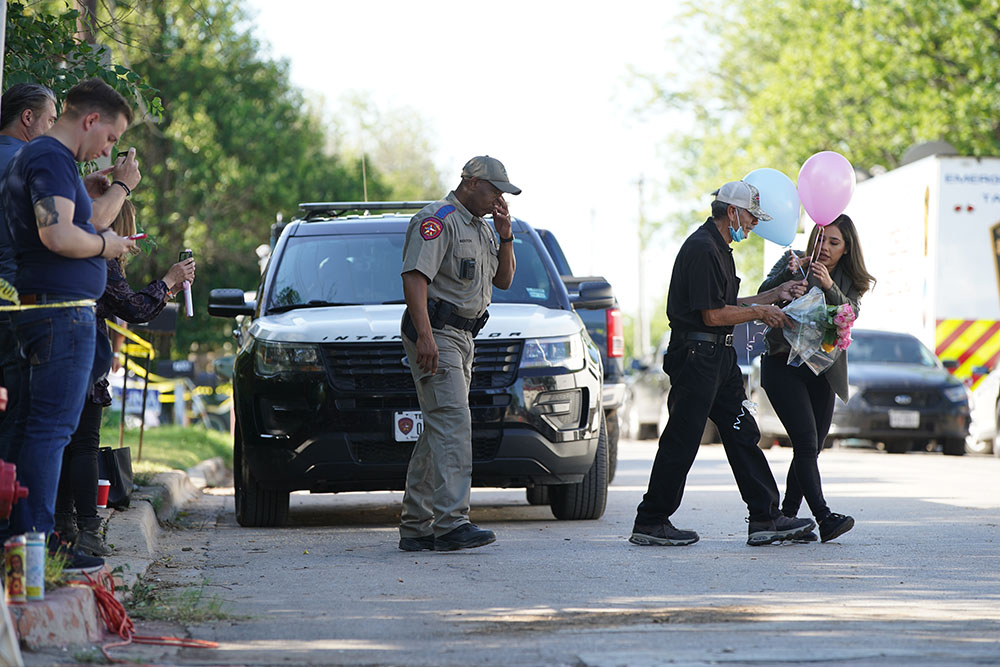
778, 198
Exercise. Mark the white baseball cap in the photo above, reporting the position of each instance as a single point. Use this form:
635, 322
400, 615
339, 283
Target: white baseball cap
742, 195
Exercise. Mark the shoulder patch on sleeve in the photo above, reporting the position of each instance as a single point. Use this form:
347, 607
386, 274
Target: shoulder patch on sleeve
430, 228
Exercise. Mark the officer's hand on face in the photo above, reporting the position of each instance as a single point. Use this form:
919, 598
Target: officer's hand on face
772, 316
427, 354
792, 289
501, 217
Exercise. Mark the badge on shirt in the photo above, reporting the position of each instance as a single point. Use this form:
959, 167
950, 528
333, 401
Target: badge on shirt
430, 229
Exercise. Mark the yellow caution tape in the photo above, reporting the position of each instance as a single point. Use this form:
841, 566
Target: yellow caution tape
9, 293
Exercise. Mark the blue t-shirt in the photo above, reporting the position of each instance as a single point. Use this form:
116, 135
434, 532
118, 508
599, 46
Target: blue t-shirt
46, 168
8, 267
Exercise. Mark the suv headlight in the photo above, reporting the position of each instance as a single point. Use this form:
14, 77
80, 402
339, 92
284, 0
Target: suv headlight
956, 393
563, 352
272, 359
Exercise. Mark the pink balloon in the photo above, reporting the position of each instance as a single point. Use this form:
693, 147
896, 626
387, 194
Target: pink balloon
826, 184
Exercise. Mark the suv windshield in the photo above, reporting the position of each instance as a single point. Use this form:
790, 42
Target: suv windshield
353, 269
889, 349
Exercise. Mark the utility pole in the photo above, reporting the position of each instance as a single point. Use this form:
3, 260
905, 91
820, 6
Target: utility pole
640, 335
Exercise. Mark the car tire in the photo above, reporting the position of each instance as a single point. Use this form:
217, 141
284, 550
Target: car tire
898, 446
537, 495
256, 506
614, 431
953, 447
588, 498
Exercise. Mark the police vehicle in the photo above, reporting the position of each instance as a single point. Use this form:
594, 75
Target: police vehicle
323, 396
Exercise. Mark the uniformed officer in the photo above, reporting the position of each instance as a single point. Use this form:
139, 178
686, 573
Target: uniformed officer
451, 262
706, 383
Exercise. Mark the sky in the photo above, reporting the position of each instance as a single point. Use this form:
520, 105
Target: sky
543, 86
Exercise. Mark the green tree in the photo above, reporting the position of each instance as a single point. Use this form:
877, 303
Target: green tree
770, 82
395, 139
235, 146
41, 47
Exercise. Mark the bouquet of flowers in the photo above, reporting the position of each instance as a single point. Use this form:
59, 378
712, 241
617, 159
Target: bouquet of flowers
819, 333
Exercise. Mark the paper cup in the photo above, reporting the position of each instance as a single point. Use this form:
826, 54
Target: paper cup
103, 487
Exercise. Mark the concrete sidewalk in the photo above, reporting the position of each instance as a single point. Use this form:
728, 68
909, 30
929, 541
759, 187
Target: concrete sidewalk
68, 616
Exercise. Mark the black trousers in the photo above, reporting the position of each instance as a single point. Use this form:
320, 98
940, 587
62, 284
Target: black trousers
706, 384
803, 402
78, 478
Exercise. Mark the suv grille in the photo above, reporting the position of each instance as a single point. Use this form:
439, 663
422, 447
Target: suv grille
886, 398
379, 366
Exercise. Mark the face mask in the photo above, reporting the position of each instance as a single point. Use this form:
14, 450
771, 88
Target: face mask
737, 234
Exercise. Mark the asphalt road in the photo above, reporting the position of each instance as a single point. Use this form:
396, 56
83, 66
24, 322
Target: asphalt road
916, 582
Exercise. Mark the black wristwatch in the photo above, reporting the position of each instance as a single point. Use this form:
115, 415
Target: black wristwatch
503, 240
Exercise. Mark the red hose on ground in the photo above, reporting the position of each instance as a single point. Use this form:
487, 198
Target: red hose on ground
117, 621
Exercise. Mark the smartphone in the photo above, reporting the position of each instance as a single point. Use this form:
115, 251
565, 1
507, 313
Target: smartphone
187, 253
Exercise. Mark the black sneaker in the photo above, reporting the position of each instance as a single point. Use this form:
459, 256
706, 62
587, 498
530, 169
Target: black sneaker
466, 536
422, 543
834, 526
74, 561
808, 537
662, 535
778, 529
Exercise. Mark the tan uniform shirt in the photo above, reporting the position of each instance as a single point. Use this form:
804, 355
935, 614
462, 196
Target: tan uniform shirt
438, 239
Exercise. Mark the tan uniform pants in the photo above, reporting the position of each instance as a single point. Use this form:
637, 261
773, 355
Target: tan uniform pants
439, 477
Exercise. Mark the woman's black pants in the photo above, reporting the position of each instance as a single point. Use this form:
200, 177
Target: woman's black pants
803, 402
78, 479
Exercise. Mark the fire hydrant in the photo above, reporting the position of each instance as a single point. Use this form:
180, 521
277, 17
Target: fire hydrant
10, 489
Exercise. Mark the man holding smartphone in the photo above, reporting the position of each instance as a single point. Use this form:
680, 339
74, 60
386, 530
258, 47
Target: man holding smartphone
62, 240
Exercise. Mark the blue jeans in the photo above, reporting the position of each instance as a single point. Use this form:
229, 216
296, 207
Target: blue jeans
58, 344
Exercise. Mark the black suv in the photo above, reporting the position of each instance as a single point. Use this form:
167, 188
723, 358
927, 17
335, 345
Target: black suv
323, 395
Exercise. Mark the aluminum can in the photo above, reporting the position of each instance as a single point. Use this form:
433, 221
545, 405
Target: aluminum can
34, 566
14, 552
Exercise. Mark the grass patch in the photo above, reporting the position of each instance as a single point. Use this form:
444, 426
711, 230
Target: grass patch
189, 605
170, 447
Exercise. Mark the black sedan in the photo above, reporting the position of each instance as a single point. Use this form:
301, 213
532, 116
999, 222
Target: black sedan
900, 395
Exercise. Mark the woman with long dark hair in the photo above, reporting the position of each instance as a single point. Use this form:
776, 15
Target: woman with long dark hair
76, 516
801, 399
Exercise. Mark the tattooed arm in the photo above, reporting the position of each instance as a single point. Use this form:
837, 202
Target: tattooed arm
54, 217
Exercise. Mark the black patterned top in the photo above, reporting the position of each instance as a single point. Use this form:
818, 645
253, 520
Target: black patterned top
120, 301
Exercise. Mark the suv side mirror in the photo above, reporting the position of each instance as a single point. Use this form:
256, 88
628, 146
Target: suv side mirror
228, 302
595, 295
950, 364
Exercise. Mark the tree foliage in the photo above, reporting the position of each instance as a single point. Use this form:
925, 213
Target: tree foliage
42, 47
770, 82
235, 146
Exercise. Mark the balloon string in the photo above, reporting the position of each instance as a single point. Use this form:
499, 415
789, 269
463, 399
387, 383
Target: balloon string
819, 244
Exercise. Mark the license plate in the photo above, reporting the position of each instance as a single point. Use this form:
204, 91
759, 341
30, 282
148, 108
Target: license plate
904, 419
408, 425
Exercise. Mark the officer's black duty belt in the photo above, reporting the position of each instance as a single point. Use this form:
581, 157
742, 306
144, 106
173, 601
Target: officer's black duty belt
718, 339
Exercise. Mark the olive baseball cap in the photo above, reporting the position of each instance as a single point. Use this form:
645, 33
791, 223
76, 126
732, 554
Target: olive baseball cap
490, 169
743, 195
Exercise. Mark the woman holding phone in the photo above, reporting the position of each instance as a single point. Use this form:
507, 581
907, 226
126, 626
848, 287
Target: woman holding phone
801, 399
76, 502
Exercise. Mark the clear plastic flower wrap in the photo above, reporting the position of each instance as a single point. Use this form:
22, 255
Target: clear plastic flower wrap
812, 321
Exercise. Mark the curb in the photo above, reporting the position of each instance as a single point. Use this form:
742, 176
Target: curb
68, 616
